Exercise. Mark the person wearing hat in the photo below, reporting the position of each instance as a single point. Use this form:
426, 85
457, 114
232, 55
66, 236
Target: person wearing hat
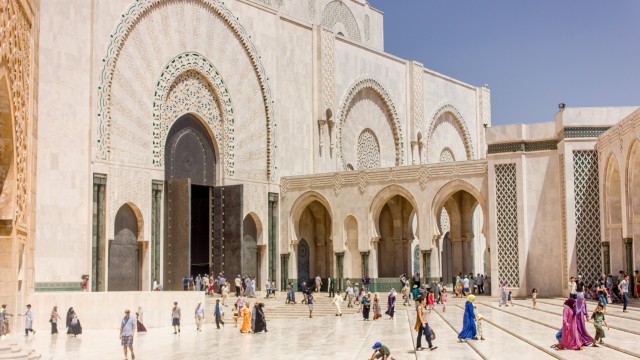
381, 352
127, 329
176, 315
479, 318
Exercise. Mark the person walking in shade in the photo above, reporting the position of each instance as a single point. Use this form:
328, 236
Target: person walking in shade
54, 320
28, 321
176, 315
127, 330
391, 303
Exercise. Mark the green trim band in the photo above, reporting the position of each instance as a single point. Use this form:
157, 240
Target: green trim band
582, 132
58, 286
523, 146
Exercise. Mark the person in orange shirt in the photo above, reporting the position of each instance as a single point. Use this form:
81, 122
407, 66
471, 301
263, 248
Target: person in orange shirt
246, 319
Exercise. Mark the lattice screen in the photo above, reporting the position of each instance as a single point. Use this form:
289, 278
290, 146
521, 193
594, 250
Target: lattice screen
586, 190
368, 151
507, 223
446, 156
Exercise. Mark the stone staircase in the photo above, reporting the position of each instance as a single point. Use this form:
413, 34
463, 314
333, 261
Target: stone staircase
277, 309
13, 351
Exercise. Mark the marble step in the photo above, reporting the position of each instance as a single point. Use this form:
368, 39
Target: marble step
13, 351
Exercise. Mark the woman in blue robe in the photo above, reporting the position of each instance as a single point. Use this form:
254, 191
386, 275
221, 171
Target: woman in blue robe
469, 323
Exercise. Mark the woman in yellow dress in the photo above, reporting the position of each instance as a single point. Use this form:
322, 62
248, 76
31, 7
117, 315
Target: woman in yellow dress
246, 319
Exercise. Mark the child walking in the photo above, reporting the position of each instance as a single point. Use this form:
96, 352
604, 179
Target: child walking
235, 314
479, 318
443, 299
509, 299
534, 297
430, 301
598, 321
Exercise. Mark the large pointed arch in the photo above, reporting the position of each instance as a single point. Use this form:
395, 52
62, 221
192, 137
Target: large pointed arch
200, 65
127, 23
460, 122
396, 127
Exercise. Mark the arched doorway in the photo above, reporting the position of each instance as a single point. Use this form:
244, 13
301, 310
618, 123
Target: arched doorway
250, 259
190, 175
463, 244
585, 254
315, 249
124, 252
396, 235
7, 170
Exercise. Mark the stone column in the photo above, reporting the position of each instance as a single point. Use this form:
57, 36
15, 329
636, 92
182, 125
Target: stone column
628, 256
425, 266
398, 256
340, 270
606, 257
284, 271
420, 146
414, 155
365, 262
321, 264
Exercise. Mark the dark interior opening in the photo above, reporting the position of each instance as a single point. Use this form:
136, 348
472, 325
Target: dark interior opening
200, 230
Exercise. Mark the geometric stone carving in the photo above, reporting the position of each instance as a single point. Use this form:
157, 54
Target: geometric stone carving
337, 16
15, 51
190, 83
367, 27
586, 192
418, 98
507, 224
328, 92
118, 37
396, 127
368, 151
447, 156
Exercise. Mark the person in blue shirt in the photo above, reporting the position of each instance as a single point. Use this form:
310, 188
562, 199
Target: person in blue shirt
185, 283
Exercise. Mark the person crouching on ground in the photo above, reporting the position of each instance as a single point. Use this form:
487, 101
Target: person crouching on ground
381, 352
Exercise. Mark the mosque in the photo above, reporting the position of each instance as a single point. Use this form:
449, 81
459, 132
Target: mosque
146, 140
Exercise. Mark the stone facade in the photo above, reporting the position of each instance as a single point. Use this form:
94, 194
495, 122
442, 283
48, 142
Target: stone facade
19, 30
351, 160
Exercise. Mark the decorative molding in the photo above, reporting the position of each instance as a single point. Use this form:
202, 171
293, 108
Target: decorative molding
367, 27
165, 86
522, 146
444, 108
326, 54
337, 12
362, 179
485, 105
16, 52
418, 98
118, 37
359, 85
312, 10
563, 205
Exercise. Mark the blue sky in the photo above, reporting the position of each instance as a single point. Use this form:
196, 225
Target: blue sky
532, 54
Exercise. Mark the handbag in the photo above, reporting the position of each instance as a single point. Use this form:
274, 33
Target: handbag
432, 334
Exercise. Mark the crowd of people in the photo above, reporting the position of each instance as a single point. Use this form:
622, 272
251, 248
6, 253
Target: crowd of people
426, 297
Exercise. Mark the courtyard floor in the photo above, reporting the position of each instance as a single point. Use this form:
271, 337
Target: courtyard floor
516, 332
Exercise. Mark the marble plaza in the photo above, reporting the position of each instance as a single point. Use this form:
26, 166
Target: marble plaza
507, 330
142, 141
